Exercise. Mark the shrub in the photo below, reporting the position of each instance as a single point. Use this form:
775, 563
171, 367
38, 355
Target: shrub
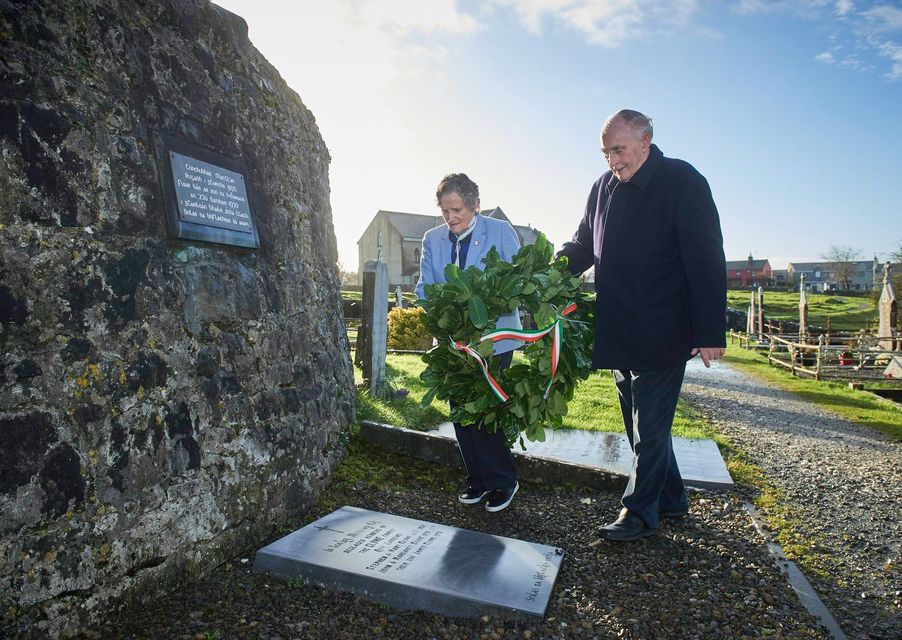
406, 331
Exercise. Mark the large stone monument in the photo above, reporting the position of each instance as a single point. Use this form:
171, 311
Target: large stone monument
174, 373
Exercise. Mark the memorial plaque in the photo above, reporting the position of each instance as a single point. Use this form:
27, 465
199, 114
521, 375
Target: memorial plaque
206, 195
414, 564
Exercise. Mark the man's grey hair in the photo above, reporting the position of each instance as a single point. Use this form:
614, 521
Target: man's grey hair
638, 121
461, 184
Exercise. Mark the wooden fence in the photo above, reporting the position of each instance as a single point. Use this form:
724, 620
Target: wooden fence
848, 357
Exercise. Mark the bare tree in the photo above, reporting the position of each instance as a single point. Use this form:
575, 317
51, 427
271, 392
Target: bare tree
842, 262
896, 254
345, 276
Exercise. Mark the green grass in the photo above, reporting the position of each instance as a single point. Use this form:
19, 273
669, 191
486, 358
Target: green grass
594, 406
357, 296
847, 312
402, 371
855, 406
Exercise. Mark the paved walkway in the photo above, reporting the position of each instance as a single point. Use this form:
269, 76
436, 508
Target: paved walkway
842, 482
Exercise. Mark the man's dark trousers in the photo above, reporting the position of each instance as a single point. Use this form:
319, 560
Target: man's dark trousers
648, 402
488, 459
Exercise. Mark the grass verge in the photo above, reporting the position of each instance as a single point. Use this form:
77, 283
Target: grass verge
594, 406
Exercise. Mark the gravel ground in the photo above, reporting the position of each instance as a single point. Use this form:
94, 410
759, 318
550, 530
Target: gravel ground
706, 576
842, 483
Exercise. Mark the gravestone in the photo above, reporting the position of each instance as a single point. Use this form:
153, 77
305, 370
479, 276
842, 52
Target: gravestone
886, 329
750, 325
894, 368
760, 313
414, 564
374, 323
803, 308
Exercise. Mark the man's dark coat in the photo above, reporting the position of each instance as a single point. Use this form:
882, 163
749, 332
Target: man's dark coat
660, 274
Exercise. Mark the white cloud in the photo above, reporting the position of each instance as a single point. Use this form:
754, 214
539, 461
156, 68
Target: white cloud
605, 22
808, 8
863, 27
883, 18
403, 17
843, 7
894, 53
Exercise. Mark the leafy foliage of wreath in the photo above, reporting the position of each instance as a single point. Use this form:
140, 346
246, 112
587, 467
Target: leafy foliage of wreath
464, 308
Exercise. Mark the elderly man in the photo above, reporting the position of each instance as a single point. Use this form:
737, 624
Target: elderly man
652, 233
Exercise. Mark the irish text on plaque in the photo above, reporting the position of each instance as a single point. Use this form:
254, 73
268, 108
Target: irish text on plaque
205, 194
415, 564
210, 195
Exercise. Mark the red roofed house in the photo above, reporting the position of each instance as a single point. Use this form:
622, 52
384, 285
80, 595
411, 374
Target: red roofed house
748, 273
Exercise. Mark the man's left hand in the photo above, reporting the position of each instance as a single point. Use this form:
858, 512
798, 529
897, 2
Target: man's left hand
708, 354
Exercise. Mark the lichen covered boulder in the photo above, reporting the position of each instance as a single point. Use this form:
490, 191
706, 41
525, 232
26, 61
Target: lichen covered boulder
163, 403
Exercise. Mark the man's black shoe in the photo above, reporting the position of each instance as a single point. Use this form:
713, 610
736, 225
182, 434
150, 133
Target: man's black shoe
626, 528
472, 496
500, 498
673, 514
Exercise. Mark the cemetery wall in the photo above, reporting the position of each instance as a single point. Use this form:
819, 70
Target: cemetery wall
164, 403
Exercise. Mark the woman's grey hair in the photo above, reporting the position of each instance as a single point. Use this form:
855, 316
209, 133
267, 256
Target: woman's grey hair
638, 121
461, 184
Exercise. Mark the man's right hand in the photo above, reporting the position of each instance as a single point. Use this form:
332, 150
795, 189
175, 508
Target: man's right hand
708, 354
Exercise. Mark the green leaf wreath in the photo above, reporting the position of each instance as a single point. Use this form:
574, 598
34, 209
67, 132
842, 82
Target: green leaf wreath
461, 314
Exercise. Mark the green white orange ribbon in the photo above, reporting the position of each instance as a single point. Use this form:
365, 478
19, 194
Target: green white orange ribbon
525, 335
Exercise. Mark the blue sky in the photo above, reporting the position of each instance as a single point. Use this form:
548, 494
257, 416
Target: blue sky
791, 109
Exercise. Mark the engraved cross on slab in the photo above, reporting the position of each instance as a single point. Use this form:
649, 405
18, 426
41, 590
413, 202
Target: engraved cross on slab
414, 564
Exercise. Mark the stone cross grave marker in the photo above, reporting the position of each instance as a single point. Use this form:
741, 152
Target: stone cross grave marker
414, 564
888, 310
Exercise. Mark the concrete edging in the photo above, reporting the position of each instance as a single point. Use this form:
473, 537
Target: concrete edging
797, 580
433, 447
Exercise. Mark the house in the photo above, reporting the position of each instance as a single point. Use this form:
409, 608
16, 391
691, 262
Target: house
748, 272
857, 275
396, 238
818, 275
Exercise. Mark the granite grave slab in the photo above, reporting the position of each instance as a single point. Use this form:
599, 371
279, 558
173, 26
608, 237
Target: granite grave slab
701, 464
414, 564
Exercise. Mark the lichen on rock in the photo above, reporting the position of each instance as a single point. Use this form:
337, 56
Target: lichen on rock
162, 402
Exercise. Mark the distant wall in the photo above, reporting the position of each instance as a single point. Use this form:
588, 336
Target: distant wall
163, 403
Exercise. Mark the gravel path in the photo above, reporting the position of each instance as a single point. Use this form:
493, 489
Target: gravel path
842, 483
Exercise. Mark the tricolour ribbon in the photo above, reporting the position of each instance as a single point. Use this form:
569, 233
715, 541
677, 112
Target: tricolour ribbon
526, 335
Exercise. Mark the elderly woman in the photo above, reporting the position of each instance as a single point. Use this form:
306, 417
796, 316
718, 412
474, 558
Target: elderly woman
465, 239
